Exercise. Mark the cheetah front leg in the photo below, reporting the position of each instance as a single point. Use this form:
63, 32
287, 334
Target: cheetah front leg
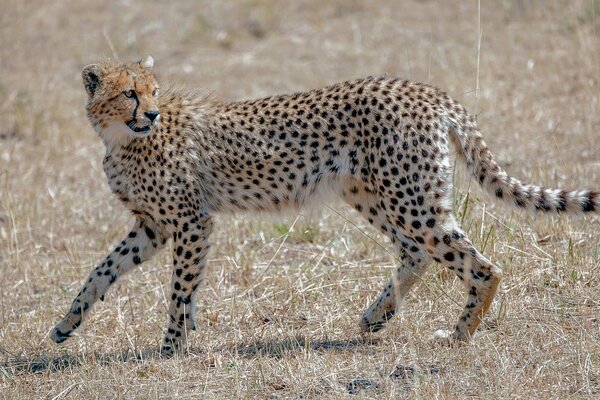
144, 240
190, 248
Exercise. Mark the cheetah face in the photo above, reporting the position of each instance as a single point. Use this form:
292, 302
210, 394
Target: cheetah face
122, 101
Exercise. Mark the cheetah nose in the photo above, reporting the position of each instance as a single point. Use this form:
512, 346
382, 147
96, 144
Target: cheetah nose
152, 115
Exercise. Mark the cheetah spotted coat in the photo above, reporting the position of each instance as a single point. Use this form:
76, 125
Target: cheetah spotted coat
177, 158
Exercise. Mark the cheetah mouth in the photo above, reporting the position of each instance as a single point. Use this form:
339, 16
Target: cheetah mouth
139, 129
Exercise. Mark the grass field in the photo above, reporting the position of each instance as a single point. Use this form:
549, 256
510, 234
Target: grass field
278, 312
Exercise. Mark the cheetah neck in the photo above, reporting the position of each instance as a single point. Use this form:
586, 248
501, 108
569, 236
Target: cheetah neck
117, 135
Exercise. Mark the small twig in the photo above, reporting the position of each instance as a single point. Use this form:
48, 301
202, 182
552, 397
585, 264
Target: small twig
65, 392
110, 44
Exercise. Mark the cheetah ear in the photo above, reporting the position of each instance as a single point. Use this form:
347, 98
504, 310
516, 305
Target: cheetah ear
91, 78
147, 62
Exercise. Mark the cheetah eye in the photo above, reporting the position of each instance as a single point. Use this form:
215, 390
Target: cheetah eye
129, 93
155, 92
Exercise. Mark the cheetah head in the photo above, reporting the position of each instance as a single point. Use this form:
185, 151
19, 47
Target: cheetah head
122, 102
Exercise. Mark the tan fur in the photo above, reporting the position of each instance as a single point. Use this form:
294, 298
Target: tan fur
380, 144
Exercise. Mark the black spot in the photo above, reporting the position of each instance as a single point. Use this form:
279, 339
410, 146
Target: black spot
588, 204
449, 256
562, 202
149, 233
542, 203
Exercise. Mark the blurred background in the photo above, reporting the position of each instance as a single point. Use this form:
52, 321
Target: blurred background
529, 70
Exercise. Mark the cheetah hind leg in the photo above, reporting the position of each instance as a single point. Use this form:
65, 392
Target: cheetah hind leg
478, 274
413, 264
413, 260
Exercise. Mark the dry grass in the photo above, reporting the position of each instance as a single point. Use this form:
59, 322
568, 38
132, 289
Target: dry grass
279, 308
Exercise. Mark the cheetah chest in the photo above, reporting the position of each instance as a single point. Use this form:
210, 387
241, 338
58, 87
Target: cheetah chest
120, 181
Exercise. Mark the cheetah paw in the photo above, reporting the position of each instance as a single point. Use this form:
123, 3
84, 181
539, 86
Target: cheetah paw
59, 336
167, 352
446, 338
443, 337
371, 327
171, 347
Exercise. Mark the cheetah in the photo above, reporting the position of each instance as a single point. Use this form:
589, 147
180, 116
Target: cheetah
176, 158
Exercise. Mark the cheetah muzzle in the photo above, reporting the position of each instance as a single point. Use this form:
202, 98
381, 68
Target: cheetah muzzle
134, 127
382, 145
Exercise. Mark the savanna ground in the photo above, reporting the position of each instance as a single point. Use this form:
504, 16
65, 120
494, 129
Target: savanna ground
278, 313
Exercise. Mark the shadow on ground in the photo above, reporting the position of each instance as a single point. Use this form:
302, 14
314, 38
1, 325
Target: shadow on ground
48, 363
45, 363
279, 348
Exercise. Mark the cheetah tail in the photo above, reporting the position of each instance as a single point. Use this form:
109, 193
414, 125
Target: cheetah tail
480, 161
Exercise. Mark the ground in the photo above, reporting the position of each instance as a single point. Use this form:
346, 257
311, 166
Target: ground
278, 314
